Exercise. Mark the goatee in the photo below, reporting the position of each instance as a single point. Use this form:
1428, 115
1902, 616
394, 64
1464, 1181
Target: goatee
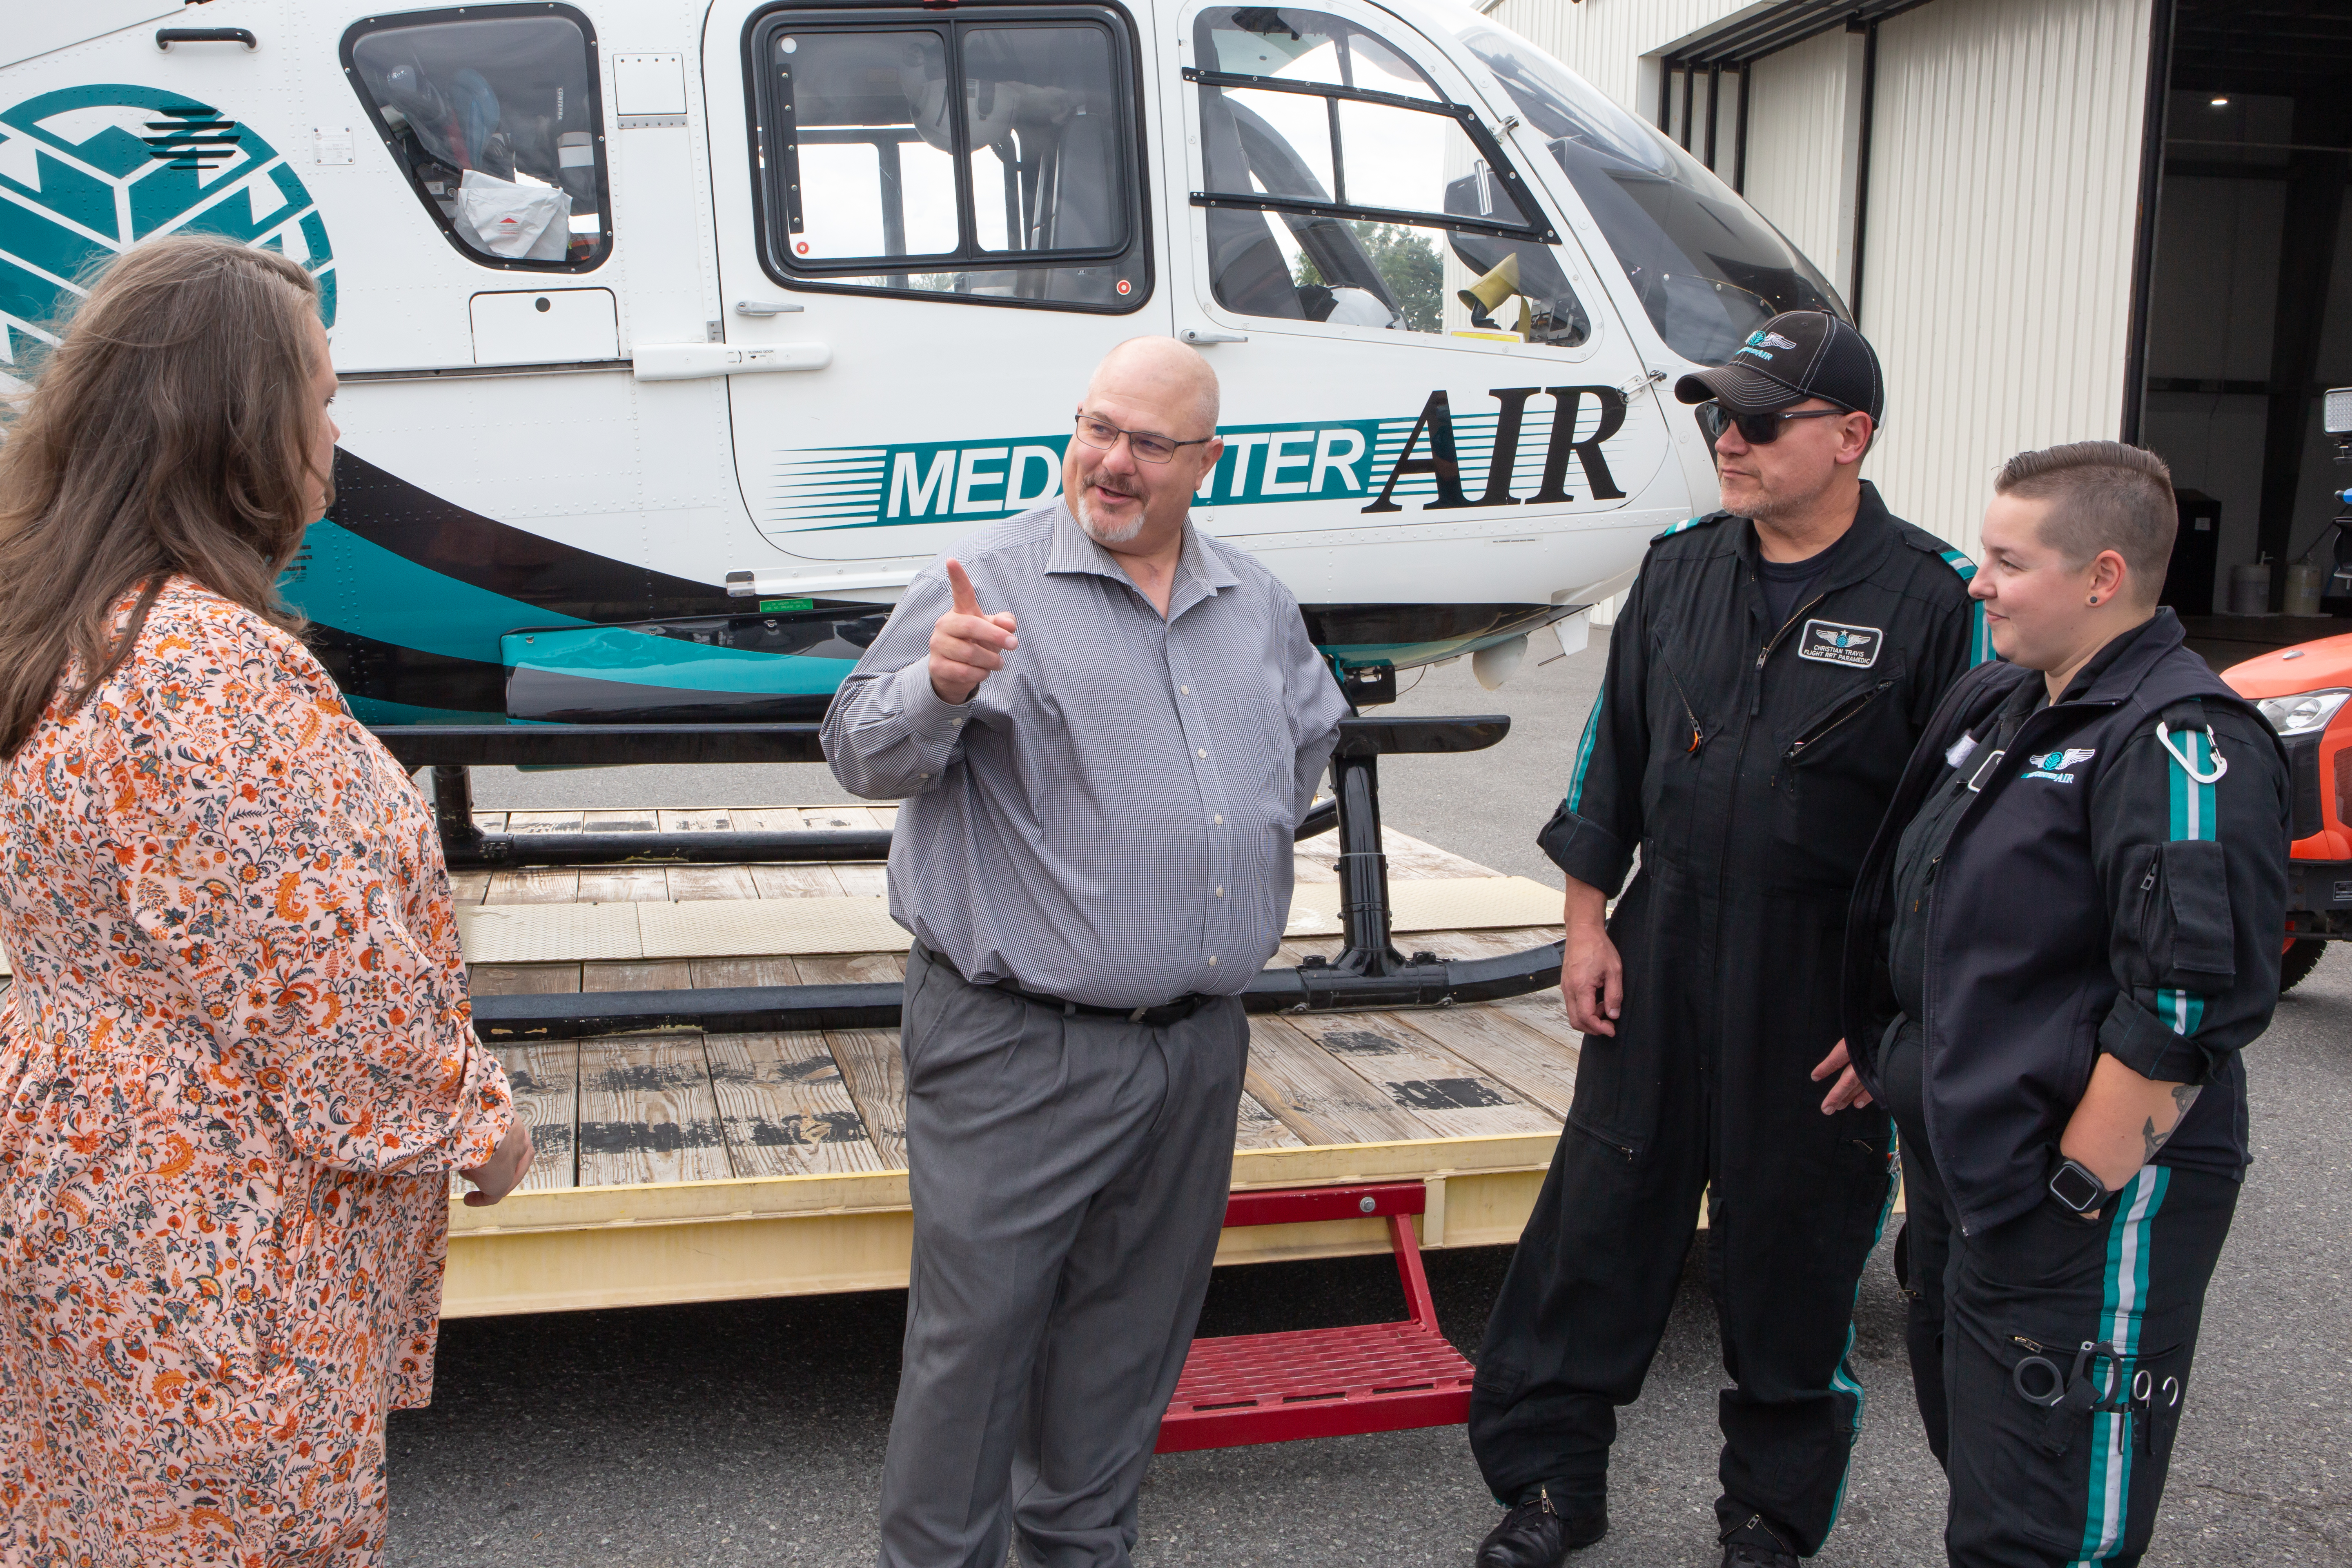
1100, 532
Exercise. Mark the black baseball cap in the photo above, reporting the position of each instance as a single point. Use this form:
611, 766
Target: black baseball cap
1795, 355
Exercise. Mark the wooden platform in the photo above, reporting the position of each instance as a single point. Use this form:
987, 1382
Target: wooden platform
686, 1166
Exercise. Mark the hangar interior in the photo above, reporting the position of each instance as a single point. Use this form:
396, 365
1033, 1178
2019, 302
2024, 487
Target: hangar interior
2248, 302
2161, 256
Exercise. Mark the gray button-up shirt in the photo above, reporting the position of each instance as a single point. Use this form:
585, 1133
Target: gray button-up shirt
1108, 819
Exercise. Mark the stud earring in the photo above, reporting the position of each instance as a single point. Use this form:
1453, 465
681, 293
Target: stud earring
2095, 598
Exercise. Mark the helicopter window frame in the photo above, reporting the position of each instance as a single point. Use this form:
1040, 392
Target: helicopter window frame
1522, 195
773, 204
458, 15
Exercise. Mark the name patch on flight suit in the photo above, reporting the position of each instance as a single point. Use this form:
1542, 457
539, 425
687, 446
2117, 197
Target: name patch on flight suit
1855, 647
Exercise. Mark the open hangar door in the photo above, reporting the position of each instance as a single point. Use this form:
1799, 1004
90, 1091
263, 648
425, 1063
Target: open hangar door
2247, 307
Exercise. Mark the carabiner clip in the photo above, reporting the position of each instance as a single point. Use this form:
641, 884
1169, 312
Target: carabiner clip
2187, 763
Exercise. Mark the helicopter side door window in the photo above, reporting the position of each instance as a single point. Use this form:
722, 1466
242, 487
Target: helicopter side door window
989, 162
494, 114
1341, 186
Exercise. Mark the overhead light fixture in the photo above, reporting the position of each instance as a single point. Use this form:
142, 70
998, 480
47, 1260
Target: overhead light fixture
2221, 102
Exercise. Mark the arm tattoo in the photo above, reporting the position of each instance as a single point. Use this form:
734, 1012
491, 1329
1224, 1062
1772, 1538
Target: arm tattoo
2184, 1095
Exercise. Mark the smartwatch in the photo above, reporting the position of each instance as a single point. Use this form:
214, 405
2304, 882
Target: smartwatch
2073, 1184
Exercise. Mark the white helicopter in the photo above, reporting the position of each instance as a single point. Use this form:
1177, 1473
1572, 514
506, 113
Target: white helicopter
676, 335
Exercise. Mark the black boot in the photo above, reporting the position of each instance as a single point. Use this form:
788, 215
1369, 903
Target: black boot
1538, 1533
1755, 1544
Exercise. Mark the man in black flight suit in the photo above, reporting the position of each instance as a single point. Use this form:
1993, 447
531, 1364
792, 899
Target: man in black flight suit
1772, 667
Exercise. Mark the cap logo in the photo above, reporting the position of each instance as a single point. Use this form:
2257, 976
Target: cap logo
1760, 339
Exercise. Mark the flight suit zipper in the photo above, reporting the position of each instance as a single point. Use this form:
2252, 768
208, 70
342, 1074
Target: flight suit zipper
1756, 706
1860, 700
1697, 737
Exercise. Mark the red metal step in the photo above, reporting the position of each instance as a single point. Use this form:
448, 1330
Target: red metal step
1324, 1383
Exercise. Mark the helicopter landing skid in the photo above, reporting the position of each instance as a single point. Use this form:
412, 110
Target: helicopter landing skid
1368, 972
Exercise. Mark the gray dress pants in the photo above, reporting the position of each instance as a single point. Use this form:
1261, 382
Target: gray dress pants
1069, 1174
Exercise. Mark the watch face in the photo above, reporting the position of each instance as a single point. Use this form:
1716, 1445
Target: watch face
2075, 1187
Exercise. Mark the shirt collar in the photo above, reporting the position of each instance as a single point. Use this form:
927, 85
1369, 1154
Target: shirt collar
2114, 671
1852, 555
1198, 568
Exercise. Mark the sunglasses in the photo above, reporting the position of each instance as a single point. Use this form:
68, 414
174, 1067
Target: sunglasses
1147, 448
1756, 430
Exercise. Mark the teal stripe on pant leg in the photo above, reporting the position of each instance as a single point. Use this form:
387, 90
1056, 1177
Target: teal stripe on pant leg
1841, 1380
2110, 1504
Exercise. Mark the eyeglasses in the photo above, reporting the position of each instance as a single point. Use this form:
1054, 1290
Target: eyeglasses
1147, 448
1757, 429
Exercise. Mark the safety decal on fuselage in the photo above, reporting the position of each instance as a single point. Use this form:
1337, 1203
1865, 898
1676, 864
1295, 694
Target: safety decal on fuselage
1539, 446
1830, 642
90, 171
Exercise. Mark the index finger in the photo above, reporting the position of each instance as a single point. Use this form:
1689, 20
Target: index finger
967, 603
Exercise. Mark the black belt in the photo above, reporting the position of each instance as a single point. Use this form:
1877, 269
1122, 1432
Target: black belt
1167, 1012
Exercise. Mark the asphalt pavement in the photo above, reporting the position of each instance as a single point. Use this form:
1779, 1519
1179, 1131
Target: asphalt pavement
753, 1432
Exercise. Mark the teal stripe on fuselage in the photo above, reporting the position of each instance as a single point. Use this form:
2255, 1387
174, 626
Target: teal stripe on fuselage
638, 658
383, 710
378, 593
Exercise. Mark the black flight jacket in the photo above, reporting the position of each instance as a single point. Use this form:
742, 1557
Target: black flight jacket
2103, 892
1759, 758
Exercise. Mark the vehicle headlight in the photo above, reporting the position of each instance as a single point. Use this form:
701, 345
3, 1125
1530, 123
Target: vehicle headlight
2305, 713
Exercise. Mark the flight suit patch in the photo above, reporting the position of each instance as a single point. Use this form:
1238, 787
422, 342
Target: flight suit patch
1830, 642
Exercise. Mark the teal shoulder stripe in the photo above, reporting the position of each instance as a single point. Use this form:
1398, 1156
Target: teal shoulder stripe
1584, 754
2193, 809
1979, 635
1685, 526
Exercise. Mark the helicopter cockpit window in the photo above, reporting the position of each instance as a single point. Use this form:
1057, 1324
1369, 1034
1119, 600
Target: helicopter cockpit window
1707, 267
1341, 186
494, 117
993, 162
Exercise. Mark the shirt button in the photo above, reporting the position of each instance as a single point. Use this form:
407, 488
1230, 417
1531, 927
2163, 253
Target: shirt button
1205, 752
955, 723
922, 775
1212, 960
1185, 690
1221, 821
1220, 892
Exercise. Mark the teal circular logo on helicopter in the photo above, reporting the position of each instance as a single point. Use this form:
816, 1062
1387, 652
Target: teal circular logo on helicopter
90, 171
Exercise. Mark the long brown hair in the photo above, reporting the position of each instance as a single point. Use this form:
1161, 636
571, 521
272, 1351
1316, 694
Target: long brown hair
169, 431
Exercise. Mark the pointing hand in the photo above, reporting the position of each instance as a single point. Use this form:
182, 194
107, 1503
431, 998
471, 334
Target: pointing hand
966, 643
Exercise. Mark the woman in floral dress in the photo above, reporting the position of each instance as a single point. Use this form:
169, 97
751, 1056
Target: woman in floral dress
237, 1065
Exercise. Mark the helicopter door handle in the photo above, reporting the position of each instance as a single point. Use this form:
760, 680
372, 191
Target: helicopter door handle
1203, 336
767, 308
166, 37
694, 362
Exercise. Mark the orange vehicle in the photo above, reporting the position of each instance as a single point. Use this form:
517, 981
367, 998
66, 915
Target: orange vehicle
2307, 694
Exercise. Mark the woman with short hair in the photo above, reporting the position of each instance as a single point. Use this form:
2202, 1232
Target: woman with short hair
2066, 931
236, 1064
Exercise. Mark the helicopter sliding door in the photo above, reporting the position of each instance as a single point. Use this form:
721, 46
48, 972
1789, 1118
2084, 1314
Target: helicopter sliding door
1429, 400
954, 207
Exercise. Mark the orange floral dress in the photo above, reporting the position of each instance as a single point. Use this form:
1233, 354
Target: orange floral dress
236, 1068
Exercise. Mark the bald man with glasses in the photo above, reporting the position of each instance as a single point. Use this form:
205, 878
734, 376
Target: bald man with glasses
1105, 727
